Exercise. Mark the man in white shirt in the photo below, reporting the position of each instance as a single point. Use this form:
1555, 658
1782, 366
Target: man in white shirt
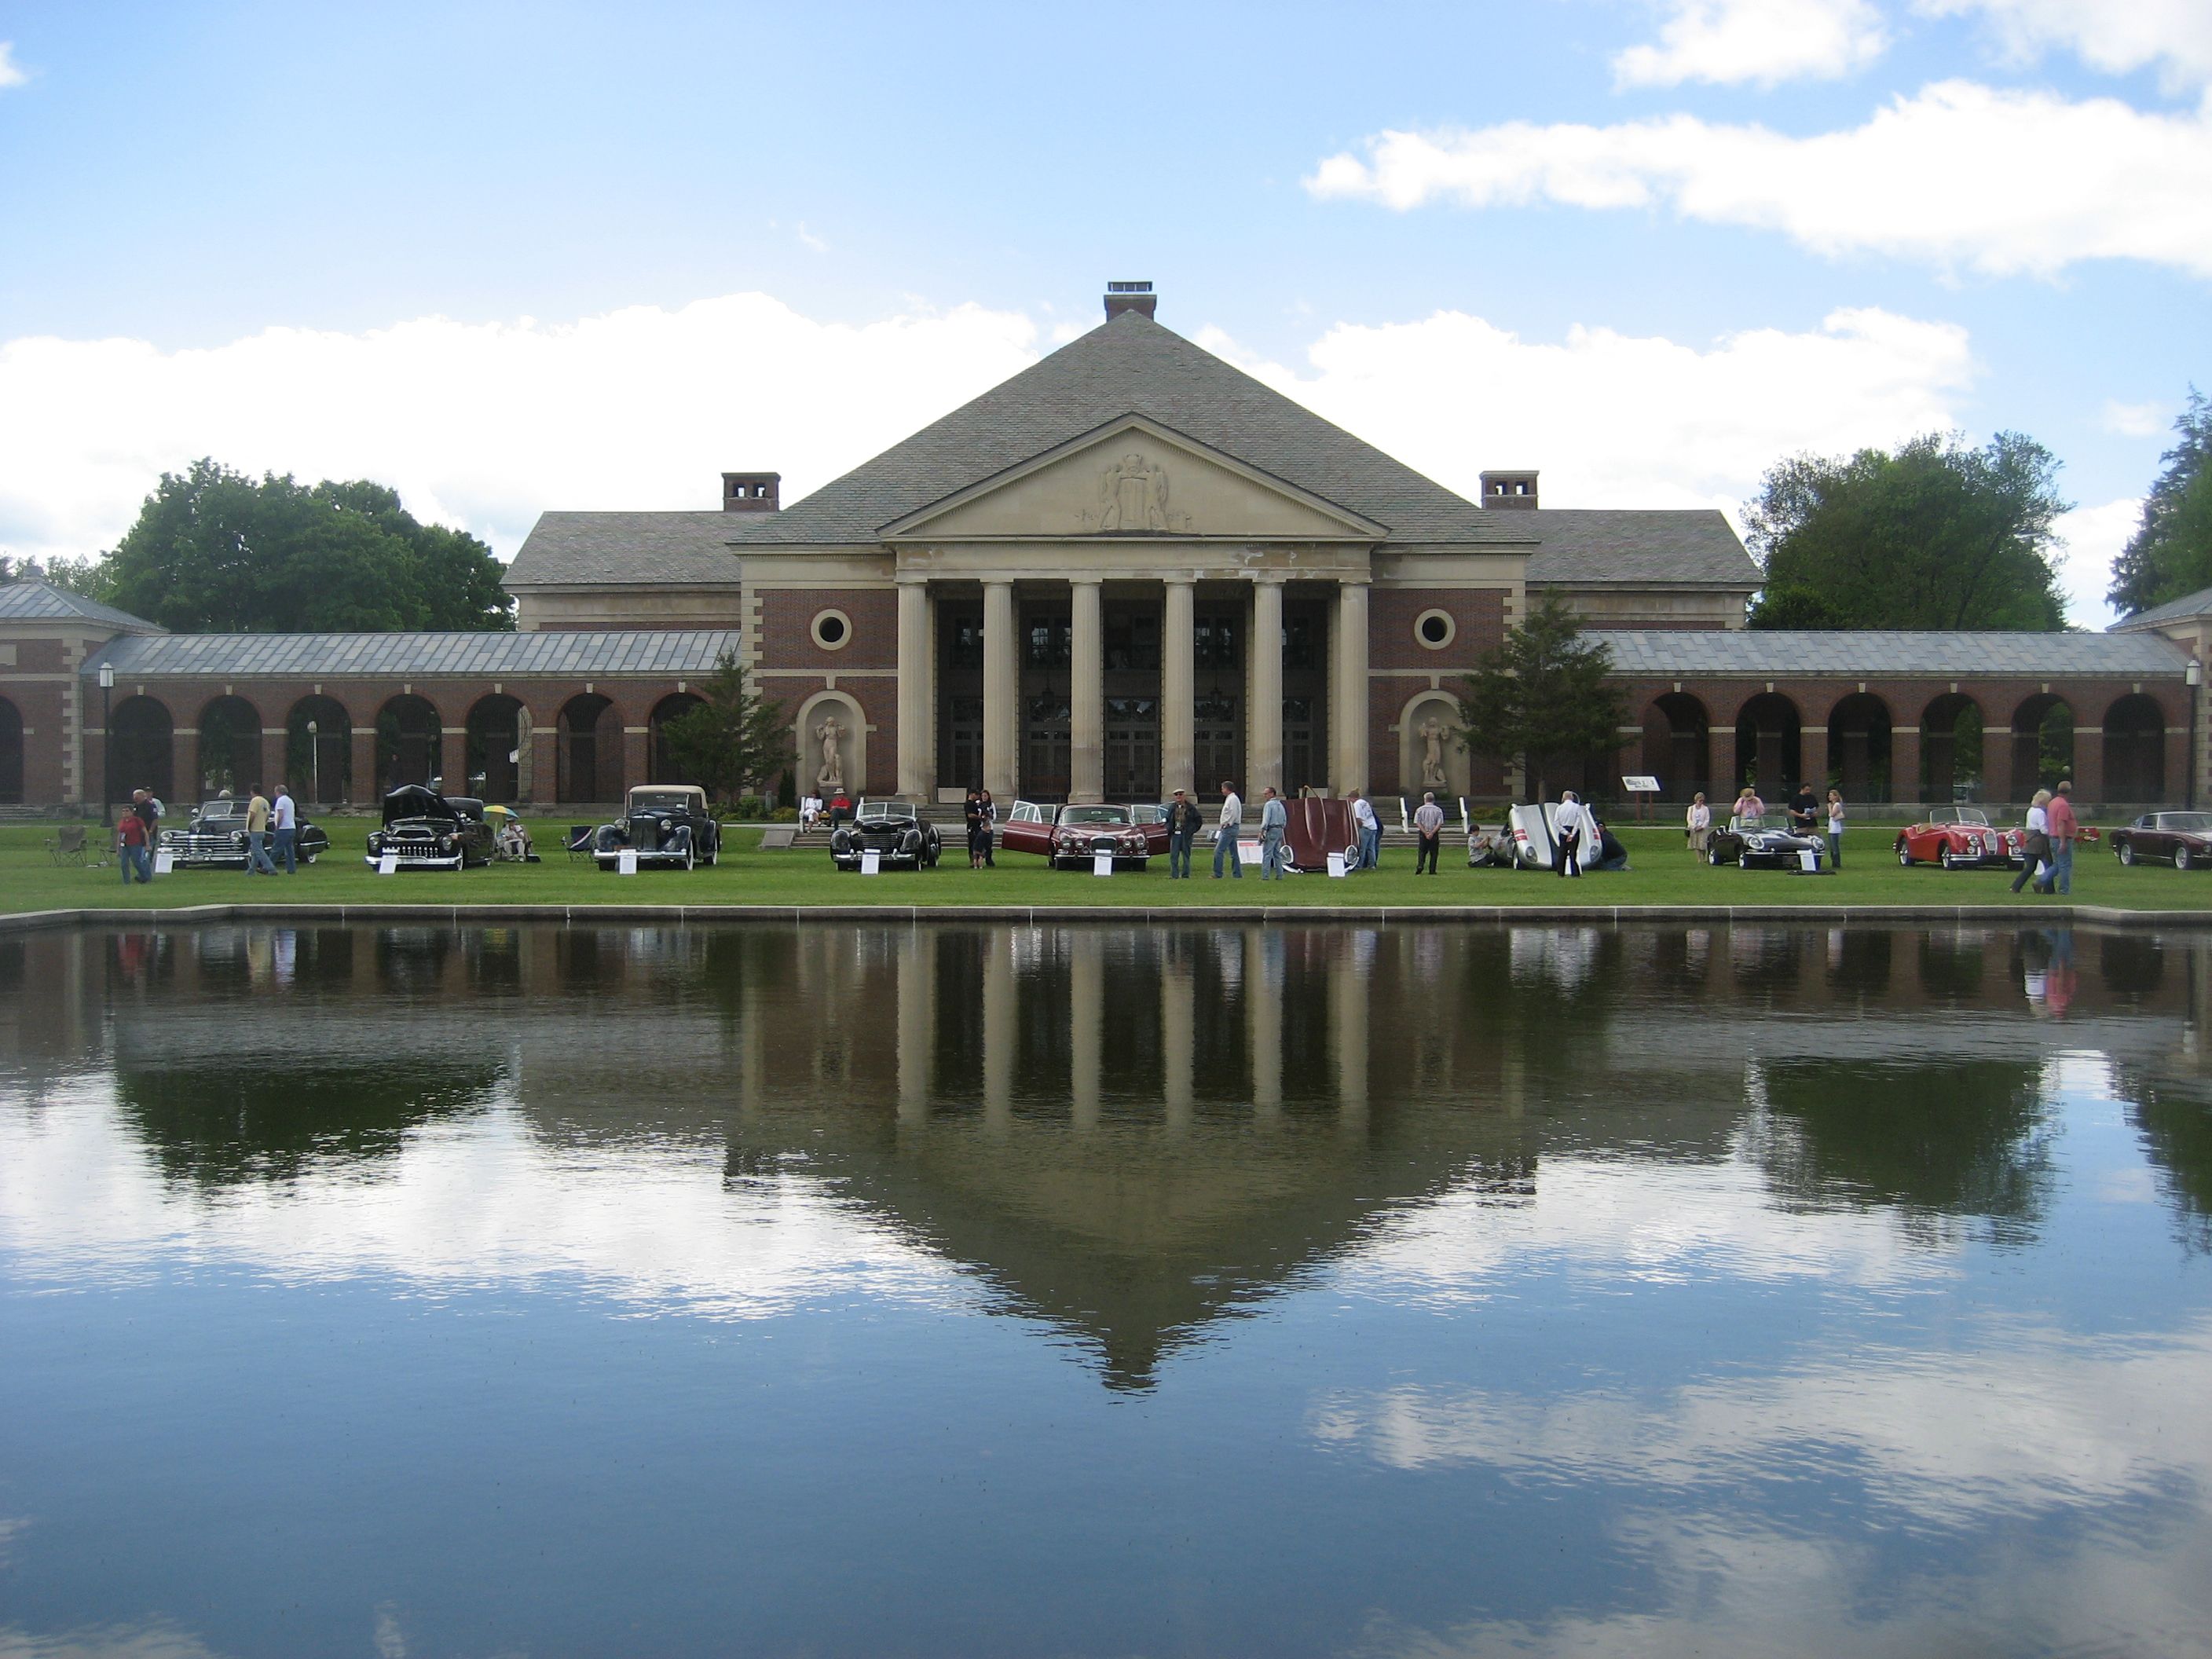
1370, 831
284, 822
1568, 827
1227, 831
1428, 824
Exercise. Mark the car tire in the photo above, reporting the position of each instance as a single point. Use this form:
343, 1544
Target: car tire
2127, 853
2181, 858
1948, 859
1904, 856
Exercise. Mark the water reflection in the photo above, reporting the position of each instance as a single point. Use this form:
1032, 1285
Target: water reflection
1680, 1286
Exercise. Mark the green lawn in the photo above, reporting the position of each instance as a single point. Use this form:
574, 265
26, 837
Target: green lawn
1664, 874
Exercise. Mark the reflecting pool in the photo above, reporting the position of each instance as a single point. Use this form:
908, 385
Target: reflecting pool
975, 1291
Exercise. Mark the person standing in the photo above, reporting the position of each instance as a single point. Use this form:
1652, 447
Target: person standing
1836, 817
1428, 824
130, 843
2065, 830
1228, 830
971, 814
1749, 809
1183, 821
284, 824
1370, 831
1805, 810
2035, 854
257, 835
1698, 823
1567, 830
1274, 825
990, 810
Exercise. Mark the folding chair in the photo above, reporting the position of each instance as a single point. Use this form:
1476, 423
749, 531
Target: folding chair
579, 842
66, 845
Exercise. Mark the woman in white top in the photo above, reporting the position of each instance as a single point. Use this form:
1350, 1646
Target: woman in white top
1836, 815
2035, 856
1698, 821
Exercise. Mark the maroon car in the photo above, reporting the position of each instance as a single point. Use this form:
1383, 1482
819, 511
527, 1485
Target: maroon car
2185, 838
1071, 836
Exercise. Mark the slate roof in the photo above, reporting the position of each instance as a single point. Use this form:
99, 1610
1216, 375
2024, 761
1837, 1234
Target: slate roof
606, 550
37, 601
1605, 545
549, 653
1871, 654
2188, 604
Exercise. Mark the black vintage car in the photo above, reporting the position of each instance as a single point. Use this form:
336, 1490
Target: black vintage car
425, 830
894, 830
1765, 843
664, 824
216, 838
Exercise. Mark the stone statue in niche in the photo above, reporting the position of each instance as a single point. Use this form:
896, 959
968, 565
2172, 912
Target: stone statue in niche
832, 774
1132, 496
1432, 753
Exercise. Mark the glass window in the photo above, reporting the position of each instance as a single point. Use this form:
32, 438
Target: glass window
1048, 641
963, 642
1216, 642
1305, 641
1133, 642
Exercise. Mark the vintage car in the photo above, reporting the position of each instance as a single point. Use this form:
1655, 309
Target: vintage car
216, 838
2184, 837
665, 824
1071, 836
1958, 838
891, 828
1766, 843
425, 830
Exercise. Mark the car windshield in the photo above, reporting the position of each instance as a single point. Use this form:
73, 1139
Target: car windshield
885, 809
661, 800
1972, 816
1771, 820
1093, 815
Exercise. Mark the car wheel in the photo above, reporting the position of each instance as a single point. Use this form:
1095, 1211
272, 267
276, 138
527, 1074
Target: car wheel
2127, 850
1946, 860
2181, 859
1904, 856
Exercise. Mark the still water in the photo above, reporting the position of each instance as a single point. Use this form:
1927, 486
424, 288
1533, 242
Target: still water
874, 1290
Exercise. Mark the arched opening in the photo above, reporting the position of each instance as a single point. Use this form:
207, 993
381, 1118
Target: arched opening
1428, 751
1677, 746
495, 749
1858, 748
587, 751
407, 732
1951, 749
1768, 745
139, 750
2134, 751
11, 753
229, 748
661, 766
850, 744
318, 750
2042, 744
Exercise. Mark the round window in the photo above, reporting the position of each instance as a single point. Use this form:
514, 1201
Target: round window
832, 630
1434, 629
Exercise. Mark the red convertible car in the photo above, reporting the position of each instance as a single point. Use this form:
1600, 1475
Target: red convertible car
1071, 836
1959, 838
2184, 837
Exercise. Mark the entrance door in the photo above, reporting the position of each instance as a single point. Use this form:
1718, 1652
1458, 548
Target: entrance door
964, 742
1217, 743
1133, 747
1044, 749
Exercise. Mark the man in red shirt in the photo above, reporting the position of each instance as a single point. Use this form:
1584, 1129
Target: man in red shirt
130, 844
2065, 830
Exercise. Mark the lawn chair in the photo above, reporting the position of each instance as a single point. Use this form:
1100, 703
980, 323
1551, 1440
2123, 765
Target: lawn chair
579, 842
66, 845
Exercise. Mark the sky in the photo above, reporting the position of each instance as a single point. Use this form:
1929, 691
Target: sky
512, 258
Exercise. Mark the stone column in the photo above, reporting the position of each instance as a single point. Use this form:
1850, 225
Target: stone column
1001, 678
1086, 1024
1178, 1046
1179, 690
998, 1015
917, 1023
914, 704
1263, 1016
1903, 766
1086, 682
1348, 1008
1348, 719
1265, 677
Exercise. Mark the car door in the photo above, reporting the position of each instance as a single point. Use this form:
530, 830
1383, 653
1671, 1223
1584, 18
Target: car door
1028, 829
1153, 821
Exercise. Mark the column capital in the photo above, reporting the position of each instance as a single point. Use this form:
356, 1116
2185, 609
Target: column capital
1086, 581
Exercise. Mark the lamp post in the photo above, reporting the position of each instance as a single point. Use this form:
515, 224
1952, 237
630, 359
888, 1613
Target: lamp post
314, 765
2194, 678
107, 746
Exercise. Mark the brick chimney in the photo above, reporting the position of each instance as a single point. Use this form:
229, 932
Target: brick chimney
751, 492
1129, 297
1509, 489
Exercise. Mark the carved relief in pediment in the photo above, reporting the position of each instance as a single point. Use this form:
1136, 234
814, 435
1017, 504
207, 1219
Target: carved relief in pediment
1133, 497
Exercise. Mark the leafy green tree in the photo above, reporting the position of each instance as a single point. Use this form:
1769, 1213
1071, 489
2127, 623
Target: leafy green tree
215, 551
1937, 535
2170, 552
736, 740
1543, 695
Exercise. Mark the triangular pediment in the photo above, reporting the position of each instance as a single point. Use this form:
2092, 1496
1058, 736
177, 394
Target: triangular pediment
1134, 477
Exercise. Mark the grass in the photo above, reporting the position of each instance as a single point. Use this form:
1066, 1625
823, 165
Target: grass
1663, 874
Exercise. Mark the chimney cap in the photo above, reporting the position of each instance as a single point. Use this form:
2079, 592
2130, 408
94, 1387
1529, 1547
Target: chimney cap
1130, 297
753, 492
1512, 487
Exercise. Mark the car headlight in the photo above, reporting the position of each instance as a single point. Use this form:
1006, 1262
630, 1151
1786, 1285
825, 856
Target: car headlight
446, 843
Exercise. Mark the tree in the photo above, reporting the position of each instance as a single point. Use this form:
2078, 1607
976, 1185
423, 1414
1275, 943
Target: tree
2171, 553
1937, 535
215, 551
735, 740
1542, 694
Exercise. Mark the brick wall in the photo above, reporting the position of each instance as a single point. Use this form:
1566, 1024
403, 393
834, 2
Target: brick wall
1478, 615
787, 629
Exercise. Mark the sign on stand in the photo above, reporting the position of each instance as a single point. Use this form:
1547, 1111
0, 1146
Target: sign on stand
1102, 863
164, 863
1643, 787
1808, 861
1248, 852
1336, 866
387, 864
626, 861
872, 861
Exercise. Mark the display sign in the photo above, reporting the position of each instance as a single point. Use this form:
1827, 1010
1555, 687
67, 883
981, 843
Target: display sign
1808, 861
1102, 863
387, 864
1336, 865
1638, 784
872, 861
164, 863
626, 861
1248, 852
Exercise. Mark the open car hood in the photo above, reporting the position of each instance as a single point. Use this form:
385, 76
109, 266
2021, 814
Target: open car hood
412, 800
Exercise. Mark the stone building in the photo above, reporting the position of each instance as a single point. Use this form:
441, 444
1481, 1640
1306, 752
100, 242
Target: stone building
1130, 567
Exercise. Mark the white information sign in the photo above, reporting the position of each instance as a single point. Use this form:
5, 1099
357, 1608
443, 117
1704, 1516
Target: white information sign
1336, 865
164, 863
1809, 861
872, 861
1638, 784
387, 864
1102, 863
1248, 852
626, 861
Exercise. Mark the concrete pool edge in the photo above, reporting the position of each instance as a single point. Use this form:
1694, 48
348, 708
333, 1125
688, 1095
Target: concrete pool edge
1030, 915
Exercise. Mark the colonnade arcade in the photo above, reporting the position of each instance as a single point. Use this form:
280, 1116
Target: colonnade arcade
1085, 688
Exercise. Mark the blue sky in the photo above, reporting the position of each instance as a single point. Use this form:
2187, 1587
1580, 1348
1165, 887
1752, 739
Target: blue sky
227, 226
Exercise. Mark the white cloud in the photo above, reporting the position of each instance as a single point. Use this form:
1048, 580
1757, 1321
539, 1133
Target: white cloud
2173, 36
808, 240
2090, 539
1958, 174
11, 72
1763, 41
484, 425
2134, 420
1615, 420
